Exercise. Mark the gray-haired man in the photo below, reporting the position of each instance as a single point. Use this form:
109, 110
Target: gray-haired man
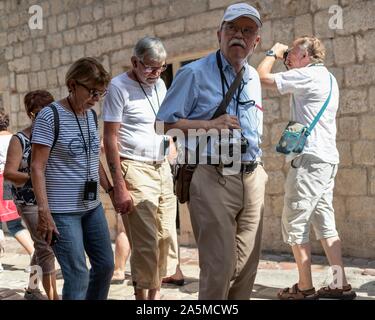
142, 180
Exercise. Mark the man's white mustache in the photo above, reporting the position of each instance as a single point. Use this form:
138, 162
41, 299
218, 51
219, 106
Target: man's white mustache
237, 41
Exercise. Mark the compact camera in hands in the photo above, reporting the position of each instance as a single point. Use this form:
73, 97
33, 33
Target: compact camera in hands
227, 144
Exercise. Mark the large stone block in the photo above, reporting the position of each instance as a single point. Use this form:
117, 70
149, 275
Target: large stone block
33, 80
98, 11
73, 19
283, 30
104, 27
86, 33
69, 37
339, 75
275, 185
351, 182
62, 22
61, 72
277, 204
4, 83
360, 208
78, 51
182, 8
322, 4
22, 82
42, 79
56, 7
129, 6
130, 38
266, 36
364, 153
55, 58
170, 28
65, 56
204, 20
271, 109
214, 4
52, 24
8, 53
151, 15
113, 8
123, 23
52, 78
104, 45
303, 25
27, 47
353, 101
35, 62
185, 44
86, 14
17, 50
273, 161
344, 50
345, 153
371, 98
19, 65
54, 41
348, 128
367, 127
358, 17
321, 25
121, 56
372, 181
39, 45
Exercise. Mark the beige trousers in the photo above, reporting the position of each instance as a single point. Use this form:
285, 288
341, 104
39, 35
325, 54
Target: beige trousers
149, 225
226, 215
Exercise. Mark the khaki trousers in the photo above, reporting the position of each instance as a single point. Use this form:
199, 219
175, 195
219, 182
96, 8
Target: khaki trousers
227, 224
149, 225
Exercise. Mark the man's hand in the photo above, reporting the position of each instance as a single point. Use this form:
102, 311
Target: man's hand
225, 121
279, 50
123, 201
46, 226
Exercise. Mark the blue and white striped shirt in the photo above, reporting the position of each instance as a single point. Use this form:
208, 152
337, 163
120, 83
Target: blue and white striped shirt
67, 171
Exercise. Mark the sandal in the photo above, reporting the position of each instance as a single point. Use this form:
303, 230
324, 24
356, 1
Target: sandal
294, 293
345, 293
176, 282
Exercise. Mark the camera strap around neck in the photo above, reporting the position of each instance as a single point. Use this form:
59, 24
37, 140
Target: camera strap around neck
222, 108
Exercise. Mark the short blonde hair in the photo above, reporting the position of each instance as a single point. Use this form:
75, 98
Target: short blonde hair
89, 72
314, 47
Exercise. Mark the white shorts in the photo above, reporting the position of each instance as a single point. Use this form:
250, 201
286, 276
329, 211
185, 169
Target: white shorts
308, 200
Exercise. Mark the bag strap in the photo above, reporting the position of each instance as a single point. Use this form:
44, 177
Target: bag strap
95, 117
56, 119
324, 107
222, 108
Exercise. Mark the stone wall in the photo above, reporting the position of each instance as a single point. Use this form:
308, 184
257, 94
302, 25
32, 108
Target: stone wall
32, 59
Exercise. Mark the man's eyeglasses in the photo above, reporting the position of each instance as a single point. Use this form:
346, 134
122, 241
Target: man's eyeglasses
94, 93
247, 32
153, 69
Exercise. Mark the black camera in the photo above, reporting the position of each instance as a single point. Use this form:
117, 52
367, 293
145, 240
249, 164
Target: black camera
285, 56
228, 143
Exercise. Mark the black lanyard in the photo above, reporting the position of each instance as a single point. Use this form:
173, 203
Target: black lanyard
149, 101
224, 83
87, 150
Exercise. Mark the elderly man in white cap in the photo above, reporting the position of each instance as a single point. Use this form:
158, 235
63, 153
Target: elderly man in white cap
226, 209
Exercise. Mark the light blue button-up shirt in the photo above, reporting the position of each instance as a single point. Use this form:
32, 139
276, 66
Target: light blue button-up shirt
196, 92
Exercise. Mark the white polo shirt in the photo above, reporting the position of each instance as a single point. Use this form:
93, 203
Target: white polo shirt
127, 103
310, 88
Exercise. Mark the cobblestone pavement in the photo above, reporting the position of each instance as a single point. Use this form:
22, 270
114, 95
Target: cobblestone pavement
275, 271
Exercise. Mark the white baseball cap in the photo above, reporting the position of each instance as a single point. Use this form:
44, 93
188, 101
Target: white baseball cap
237, 10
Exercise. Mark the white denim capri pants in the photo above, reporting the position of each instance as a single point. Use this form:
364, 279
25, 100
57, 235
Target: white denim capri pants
308, 200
